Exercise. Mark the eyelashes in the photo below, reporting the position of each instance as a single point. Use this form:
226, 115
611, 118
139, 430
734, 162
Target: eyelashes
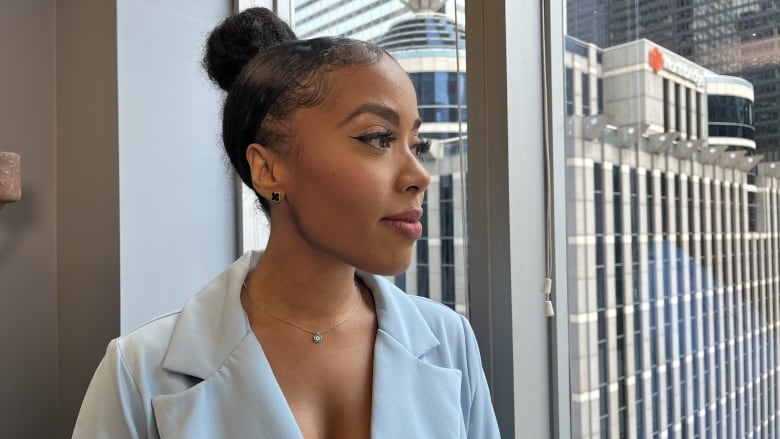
379, 140
422, 148
384, 140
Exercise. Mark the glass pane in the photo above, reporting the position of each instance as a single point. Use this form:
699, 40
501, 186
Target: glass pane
428, 40
673, 240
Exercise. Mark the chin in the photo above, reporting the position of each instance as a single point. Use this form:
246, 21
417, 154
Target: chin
389, 270
387, 267
394, 272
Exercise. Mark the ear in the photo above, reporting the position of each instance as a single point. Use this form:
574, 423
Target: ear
265, 166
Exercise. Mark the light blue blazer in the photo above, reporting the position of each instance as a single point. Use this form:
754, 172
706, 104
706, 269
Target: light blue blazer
201, 373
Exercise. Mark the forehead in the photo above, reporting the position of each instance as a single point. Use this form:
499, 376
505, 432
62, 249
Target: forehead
383, 82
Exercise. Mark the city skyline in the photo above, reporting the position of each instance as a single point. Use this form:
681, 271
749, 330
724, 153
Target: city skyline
739, 38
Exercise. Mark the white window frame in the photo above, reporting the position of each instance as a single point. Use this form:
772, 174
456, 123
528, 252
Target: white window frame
506, 210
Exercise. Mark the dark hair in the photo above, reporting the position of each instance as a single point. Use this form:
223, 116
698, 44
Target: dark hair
268, 73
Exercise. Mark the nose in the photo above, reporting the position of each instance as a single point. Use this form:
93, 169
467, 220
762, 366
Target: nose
414, 177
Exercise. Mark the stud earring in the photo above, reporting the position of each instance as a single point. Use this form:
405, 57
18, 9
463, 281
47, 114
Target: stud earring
275, 197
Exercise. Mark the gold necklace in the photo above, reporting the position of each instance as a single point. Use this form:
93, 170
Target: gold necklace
317, 336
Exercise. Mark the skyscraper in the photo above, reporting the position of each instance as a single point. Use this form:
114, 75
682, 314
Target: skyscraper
364, 19
738, 38
672, 250
361, 19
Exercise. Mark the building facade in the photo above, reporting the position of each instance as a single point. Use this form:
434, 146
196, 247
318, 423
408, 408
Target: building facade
740, 38
674, 276
364, 19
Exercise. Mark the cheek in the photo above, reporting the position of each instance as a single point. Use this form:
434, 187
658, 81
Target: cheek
338, 187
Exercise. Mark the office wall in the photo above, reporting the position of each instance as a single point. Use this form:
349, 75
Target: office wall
87, 195
28, 302
92, 94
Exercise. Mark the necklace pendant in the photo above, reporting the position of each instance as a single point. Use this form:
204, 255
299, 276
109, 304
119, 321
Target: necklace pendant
317, 337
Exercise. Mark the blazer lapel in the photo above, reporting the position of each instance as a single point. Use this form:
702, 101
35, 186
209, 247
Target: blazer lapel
238, 396
411, 397
226, 404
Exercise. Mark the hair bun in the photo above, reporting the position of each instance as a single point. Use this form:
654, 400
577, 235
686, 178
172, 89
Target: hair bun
239, 38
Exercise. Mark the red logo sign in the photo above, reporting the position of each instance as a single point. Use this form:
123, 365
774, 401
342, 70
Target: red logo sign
656, 59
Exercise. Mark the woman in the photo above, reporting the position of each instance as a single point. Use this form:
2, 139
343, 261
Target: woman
305, 339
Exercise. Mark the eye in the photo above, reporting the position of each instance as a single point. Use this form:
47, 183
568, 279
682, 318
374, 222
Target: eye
379, 140
421, 148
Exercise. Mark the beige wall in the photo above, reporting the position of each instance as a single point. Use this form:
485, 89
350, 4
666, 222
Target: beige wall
87, 195
60, 291
28, 268
59, 246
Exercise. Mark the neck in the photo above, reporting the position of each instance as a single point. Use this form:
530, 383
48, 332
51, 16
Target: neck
316, 291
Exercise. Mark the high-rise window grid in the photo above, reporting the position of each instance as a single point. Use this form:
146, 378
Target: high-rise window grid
709, 339
585, 79
437, 96
620, 343
421, 250
569, 91
601, 316
447, 227
635, 194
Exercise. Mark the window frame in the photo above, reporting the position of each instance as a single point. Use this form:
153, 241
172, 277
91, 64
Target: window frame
511, 103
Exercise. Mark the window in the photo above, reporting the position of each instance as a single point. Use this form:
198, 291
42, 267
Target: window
701, 256
585, 79
673, 350
666, 104
440, 96
569, 91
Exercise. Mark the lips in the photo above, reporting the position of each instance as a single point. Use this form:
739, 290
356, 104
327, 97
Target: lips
406, 223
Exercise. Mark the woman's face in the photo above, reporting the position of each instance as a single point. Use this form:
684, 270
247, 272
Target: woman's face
354, 184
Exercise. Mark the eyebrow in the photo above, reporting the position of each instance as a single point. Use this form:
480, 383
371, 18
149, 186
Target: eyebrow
380, 110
